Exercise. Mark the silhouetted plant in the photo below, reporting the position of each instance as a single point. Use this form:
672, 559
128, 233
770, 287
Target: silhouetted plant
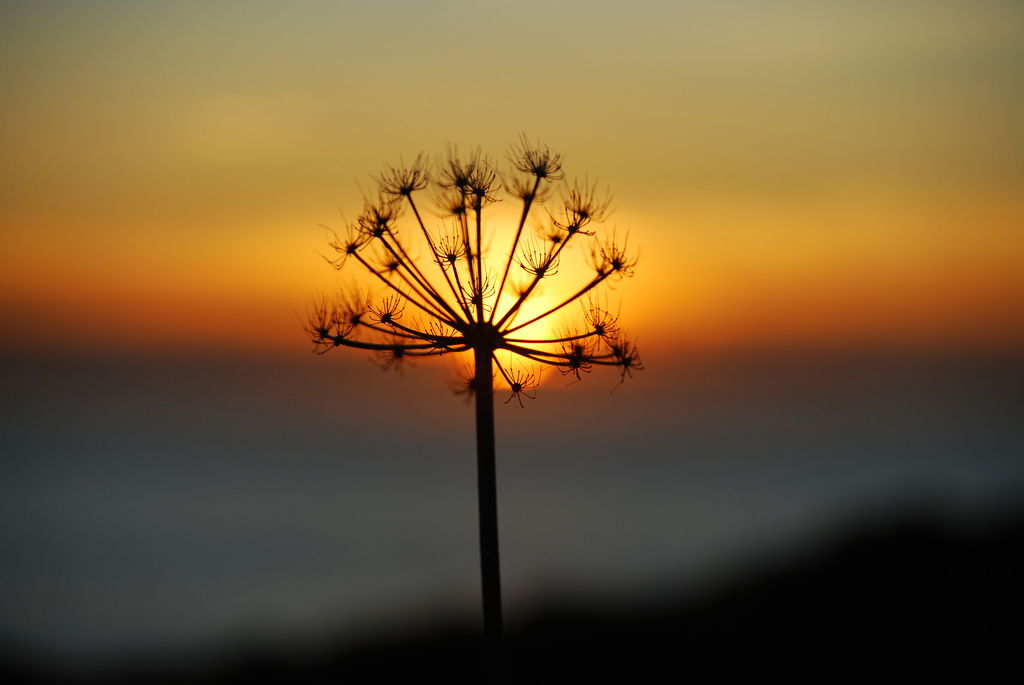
456, 301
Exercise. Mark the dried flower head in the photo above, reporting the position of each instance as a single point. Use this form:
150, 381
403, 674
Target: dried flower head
612, 258
403, 180
581, 205
538, 260
460, 302
535, 159
521, 384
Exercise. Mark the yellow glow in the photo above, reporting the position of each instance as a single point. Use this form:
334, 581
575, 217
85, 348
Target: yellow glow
819, 177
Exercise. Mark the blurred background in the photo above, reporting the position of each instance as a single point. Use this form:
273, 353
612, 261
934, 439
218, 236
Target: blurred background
827, 199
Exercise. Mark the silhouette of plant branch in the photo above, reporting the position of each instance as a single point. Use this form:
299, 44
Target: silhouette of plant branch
455, 300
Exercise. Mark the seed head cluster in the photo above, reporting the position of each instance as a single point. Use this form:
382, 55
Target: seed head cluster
454, 300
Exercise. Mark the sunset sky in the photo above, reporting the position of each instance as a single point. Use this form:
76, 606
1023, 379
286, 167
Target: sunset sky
827, 200
793, 173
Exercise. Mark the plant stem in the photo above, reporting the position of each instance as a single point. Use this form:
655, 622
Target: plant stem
488, 502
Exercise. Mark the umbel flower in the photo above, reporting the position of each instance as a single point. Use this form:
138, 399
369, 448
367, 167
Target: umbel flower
454, 299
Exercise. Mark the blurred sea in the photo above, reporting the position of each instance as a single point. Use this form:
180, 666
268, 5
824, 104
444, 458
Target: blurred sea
190, 501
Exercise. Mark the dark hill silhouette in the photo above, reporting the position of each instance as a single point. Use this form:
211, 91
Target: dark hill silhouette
917, 599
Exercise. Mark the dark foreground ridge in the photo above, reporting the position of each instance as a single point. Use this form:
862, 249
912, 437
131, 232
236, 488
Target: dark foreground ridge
914, 600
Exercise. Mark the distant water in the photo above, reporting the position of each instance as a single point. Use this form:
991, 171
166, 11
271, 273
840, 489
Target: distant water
152, 502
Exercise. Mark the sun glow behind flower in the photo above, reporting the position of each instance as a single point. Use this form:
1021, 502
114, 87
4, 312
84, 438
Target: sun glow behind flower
462, 298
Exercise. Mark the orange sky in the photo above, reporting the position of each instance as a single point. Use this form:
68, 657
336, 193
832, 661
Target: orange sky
811, 176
